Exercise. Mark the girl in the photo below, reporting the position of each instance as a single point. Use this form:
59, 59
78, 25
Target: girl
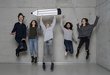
19, 31
33, 41
85, 30
68, 36
48, 42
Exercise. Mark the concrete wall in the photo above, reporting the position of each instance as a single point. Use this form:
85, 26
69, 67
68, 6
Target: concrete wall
103, 33
72, 9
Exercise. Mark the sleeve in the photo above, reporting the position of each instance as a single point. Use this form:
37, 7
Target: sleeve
42, 24
78, 27
24, 31
54, 22
62, 24
14, 29
96, 21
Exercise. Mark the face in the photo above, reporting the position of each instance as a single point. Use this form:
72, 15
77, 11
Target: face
33, 23
83, 21
68, 25
47, 25
21, 18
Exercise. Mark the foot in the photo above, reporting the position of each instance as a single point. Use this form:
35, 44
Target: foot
77, 54
17, 54
35, 60
52, 66
44, 66
87, 56
66, 53
32, 59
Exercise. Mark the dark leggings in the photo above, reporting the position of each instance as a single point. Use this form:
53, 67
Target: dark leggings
83, 40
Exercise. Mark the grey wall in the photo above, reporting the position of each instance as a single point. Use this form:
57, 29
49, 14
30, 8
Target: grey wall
103, 33
72, 9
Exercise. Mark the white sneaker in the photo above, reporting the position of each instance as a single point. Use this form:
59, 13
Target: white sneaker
66, 53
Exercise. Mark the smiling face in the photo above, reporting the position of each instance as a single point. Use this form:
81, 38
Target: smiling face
68, 26
21, 18
84, 21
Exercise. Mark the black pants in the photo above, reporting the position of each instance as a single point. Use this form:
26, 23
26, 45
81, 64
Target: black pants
83, 40
18, 40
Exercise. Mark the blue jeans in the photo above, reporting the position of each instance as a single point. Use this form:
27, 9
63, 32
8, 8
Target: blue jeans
69, 46
48, 53
33, 46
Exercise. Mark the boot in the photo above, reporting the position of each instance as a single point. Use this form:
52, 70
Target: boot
35, 60
32, 59
87, 56
77, 54
52, 66
44, 66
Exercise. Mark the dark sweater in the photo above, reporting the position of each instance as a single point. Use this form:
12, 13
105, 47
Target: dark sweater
86, 31
32, 32
20, 30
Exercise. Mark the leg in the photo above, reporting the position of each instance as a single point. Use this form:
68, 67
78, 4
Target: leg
36, 49
51, 53
87, 41
79, 46
66, 43
71, 50
31, 49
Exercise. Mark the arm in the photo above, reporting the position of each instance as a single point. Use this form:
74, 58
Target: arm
54, 22
42, 24
78, 27
14, 30
74, 38
96, 21
24, 32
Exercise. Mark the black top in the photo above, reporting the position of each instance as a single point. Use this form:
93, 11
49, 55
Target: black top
20, 30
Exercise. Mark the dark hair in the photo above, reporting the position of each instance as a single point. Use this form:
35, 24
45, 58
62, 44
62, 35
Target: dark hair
85, 20
71, 25
36, 24
20, 14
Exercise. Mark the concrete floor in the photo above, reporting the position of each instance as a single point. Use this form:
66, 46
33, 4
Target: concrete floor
68, 69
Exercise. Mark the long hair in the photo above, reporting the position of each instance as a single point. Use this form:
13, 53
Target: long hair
87, 23
36, 24
71, 25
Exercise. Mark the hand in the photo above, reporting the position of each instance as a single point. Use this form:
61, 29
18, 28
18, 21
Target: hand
97, 17
23, 39
14, 33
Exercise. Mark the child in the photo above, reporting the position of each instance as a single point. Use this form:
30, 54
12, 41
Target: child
48, 42
85, 30
33, 41
68, 36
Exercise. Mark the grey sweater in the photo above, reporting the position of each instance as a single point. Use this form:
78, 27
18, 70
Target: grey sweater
86, 31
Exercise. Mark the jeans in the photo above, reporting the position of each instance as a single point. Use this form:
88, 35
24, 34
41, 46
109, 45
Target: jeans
33, 46
48, 51
69, 46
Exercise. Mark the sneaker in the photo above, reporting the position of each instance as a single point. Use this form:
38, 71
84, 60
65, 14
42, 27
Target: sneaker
66, 53
52, 66
44, 66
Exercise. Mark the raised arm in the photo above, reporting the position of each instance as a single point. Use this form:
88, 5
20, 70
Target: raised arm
96, 21
54, 22
42, 24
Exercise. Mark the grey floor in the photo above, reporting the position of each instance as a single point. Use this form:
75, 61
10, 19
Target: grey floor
68, 69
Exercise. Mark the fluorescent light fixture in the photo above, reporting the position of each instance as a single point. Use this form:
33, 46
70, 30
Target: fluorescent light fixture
45, 12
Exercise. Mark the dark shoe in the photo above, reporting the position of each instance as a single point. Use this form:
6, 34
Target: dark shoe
17, 54
44, 66
87, 56
52, 66
32, 59
77, 54
35, 60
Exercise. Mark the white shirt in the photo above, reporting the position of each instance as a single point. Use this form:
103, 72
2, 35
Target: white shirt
48, 32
